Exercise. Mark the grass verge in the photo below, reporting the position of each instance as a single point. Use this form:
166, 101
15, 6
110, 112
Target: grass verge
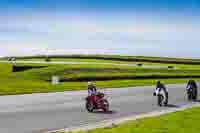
179, 122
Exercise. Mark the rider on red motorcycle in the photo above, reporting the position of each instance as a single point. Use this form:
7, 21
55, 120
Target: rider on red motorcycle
91, 89
92, 92
95, 100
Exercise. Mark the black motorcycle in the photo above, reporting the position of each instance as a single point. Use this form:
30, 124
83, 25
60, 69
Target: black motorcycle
162, 98
192, 94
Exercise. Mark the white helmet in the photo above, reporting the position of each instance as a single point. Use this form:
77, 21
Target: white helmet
90, 83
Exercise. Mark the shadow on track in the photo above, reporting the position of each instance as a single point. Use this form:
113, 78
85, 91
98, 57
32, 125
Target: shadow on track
172, 106
198, 101
102, 112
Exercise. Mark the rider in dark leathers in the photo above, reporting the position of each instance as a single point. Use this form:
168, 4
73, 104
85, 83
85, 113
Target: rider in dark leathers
162, 87
192, 85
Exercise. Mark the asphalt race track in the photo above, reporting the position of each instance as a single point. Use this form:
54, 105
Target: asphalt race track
37, 113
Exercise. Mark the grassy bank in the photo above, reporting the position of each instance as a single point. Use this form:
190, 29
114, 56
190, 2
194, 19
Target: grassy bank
179, 122
36, 80
119, 58
113, 61
99, 72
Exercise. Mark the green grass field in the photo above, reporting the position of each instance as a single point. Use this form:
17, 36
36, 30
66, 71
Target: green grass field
150, 61
179, 122
112, 61
115, 58
74, 77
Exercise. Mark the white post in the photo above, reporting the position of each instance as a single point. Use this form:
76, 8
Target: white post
55, 80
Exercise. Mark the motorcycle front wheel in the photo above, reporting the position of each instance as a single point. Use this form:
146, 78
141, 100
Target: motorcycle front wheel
106, 105
89, 107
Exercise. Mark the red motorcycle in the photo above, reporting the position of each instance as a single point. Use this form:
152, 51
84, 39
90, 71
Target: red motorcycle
97, 102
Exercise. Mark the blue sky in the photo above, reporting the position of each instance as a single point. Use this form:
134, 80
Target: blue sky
128, 27
101, 4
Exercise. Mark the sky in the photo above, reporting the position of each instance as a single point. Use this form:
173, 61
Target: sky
124, 27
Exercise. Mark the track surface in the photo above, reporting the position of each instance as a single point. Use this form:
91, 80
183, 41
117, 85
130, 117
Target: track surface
37, 113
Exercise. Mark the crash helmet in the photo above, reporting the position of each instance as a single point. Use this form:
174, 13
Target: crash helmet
90, 83
158, 82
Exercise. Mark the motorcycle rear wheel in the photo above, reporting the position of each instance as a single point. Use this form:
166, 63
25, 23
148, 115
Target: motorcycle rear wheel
160, 100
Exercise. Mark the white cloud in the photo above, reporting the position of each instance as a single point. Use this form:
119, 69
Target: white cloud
35, 34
